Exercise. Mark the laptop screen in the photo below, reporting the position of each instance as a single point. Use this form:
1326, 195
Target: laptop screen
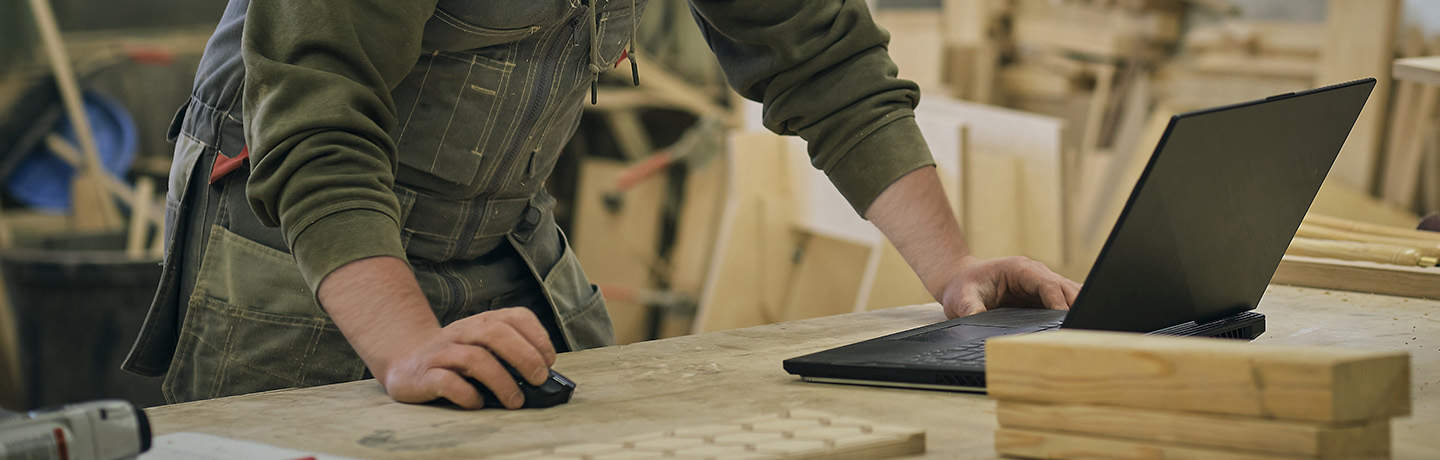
1214, 210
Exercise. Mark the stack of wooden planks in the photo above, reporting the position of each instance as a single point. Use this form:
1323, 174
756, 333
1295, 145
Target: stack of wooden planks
1094, 395
1233, 61
1078, 60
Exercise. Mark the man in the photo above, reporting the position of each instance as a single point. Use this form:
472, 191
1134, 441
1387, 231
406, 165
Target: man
358, 185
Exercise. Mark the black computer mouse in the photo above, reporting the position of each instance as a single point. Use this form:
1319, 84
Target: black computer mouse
555, 391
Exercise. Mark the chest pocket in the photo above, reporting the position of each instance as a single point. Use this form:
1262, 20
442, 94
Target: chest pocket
446, 109
459, 25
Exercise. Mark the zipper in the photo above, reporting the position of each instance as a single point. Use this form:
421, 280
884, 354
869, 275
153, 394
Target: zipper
546, 71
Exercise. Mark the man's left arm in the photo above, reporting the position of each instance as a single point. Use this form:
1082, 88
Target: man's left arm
822, 71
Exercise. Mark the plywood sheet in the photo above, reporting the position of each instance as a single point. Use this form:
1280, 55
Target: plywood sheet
750, 272
618, 247
1360, 43
828, 278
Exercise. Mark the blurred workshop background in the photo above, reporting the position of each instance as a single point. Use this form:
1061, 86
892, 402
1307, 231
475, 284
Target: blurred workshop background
689, 215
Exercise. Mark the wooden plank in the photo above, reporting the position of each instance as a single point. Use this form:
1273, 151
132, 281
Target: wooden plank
1258, 37
992, 194
965, 21
1218, 376
135, 238
972, 56
1231, 64
1402, 171
1357, 276
1425, 69
1097, 31
895, 283
1035, 141
1360, 43
789, 435
916, 45
1039, 444
1036, 81
618, 247
1216, 431
1401, 140
697, 224
750, 271
1100, 103
828, 278
1430, 175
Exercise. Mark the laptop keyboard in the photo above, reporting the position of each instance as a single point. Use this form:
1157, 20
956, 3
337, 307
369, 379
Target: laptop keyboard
967, 353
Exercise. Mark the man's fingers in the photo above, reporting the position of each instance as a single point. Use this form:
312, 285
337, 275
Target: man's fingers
525, 322
447, 384
1053, 296
479, 364
969, 303
1072, 291
502, 339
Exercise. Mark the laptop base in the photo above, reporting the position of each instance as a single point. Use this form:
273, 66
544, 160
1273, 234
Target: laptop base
837, 366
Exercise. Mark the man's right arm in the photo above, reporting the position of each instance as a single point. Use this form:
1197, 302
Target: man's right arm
317, 108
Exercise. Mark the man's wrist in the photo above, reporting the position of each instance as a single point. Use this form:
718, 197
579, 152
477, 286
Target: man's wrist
379, 307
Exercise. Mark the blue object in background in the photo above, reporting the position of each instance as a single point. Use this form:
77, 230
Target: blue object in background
42, 180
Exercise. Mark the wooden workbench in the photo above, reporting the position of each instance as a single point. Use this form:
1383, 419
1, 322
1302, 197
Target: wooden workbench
718, 376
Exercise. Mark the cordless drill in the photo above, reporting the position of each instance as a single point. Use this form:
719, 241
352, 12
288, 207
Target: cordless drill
98, 430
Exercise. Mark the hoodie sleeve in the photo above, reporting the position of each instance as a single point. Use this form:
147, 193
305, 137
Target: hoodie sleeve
822, 71
318, 75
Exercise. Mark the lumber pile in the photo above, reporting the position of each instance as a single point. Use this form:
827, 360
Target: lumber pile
1088, 394
1234, 61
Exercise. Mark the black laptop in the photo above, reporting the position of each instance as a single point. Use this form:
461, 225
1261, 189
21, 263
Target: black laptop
1191, 254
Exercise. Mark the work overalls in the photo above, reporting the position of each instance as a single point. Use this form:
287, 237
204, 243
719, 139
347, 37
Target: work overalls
485, 112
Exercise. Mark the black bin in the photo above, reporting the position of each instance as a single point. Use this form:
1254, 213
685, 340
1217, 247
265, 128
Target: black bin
78, 305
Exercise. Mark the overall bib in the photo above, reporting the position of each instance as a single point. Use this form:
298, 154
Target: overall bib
485, 111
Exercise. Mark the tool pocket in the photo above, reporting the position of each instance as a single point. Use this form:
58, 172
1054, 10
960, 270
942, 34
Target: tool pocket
253, 325
579, 308
446, 108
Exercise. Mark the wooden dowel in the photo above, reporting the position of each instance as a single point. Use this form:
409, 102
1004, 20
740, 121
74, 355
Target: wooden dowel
1426, 248
1367, 228
106, 215
139, 217
1367, 252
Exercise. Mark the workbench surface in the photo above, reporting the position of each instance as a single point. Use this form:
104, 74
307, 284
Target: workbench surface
720, 376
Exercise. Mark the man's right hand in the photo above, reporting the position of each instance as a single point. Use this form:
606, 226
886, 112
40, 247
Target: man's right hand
472, 347
378, 305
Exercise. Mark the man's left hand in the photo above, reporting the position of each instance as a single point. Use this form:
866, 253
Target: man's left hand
980, 285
